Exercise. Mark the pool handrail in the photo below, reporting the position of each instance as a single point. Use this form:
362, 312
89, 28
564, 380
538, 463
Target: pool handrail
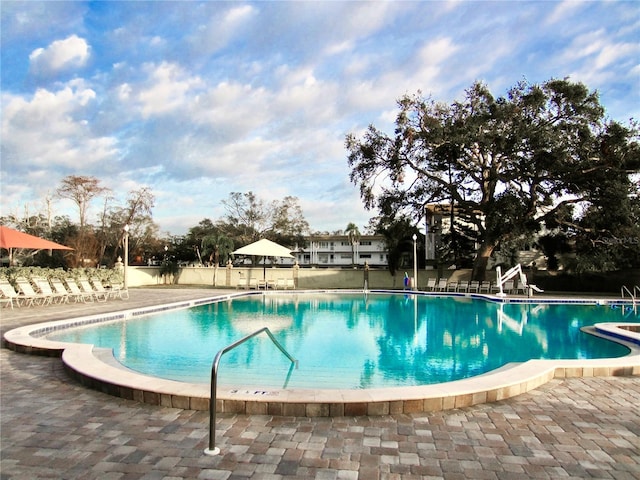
212, 449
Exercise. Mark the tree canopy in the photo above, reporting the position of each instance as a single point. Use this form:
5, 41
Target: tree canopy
509, 165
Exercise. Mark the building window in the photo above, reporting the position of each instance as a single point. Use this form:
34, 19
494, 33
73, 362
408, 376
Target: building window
365, 255
365, 242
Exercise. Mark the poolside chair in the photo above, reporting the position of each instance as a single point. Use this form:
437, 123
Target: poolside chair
485, 287
281, 284
9, 294
291, 284
452, 286
442, 285
117, 290
242, 283
431, 284
86, 287
45, 288
463, 286
262, 284
519, 287
29, 294
80, 295
253, 283
474, 286
59, 288
507, 287
110, 292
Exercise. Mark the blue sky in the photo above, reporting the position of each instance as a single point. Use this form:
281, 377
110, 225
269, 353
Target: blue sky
196, 100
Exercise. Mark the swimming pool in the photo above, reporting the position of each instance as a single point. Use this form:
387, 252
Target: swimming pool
352, 341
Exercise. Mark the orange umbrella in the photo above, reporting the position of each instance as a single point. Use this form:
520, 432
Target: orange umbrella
10, 238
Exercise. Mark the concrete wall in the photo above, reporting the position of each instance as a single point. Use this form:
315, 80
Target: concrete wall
305, 278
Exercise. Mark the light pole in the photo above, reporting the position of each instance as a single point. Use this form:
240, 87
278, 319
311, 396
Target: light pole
415, 263
126, 255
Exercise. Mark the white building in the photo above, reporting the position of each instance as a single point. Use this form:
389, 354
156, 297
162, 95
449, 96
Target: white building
337, 251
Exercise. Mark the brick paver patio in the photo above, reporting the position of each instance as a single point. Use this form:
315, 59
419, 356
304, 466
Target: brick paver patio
52, 427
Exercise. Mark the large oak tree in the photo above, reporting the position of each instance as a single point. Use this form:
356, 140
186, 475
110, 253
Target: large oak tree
509, 165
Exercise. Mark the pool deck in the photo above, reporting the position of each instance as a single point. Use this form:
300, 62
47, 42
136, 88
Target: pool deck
52, 427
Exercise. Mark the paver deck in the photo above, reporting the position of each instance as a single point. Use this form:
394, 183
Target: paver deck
52, 427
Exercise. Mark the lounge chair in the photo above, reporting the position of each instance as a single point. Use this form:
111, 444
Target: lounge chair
59, 288
86, 287
463, 286
485, 287
253, 283
29, 294
281, 283
262, 284
242, 283
442, 285
507, 287
9, 294
474, 286
452, 286
110, 292
291, 284
45, 289
117, 290
431, 284
80, 295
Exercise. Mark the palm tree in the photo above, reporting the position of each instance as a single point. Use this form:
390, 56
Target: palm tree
353, 233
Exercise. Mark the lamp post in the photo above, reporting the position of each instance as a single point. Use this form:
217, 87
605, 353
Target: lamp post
126, 255
415, 263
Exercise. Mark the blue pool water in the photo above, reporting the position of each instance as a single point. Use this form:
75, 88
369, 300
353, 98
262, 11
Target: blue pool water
351, 340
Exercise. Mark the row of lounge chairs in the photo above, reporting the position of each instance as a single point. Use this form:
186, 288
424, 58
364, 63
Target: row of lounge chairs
464, 286
254, 283
43, 291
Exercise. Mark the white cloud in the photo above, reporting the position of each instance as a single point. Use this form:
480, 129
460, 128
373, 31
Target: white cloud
168, 88
72, 52
564, 11
50, 131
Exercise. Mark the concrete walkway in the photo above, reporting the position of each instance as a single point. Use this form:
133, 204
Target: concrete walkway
52, 427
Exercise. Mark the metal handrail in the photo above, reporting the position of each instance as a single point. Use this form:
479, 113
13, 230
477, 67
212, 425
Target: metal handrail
625, 289
213, 450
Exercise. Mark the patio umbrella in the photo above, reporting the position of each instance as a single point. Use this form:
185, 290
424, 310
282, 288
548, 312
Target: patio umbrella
264, 248
10, 239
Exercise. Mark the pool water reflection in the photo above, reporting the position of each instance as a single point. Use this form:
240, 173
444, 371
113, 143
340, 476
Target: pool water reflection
351, 340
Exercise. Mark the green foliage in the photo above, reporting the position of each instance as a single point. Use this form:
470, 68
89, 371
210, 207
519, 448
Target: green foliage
509, 165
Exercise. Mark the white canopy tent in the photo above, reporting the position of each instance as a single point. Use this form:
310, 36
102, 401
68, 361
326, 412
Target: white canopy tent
264, 248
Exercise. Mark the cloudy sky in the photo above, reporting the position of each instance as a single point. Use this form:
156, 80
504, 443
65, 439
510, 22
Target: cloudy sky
196, 100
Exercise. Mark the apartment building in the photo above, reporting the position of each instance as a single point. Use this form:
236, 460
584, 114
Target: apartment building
337, 251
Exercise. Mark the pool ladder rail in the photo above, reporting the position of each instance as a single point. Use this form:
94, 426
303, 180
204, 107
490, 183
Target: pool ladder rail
212, 450
632, 294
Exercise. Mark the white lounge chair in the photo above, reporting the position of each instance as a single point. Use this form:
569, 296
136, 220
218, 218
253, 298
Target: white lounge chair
30, 295
9, 294
86, 287
80, 295
45, 289
485, 287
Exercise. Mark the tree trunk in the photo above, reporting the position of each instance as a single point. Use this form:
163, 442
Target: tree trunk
481, 261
